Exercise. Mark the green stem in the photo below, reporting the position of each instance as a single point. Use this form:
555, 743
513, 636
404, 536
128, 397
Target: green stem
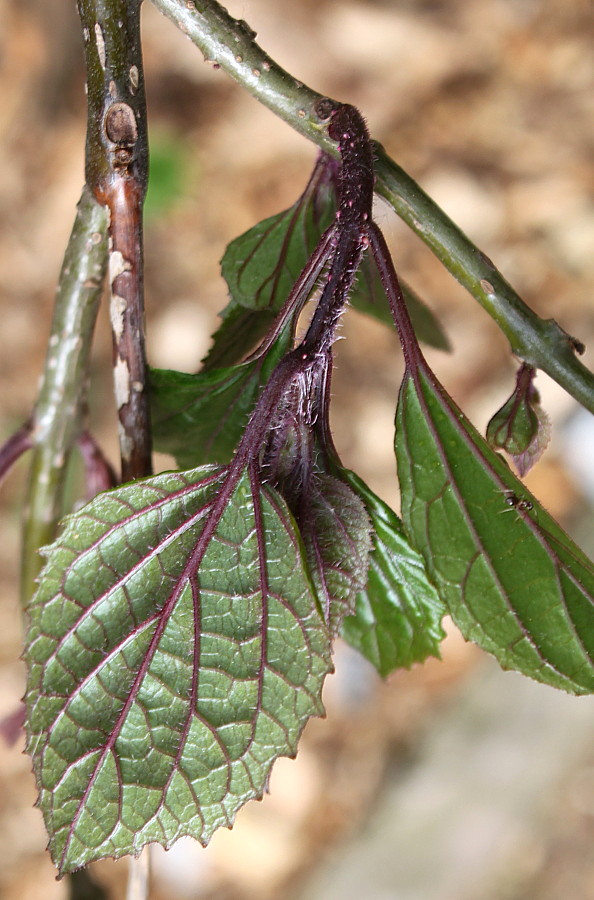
56, 420
542, 343
230, 44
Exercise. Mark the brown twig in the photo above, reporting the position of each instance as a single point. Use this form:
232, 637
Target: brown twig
116, 172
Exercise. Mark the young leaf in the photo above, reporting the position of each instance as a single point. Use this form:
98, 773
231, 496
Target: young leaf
175, 650
200, 418
397, 619
337, 539
331, 517
262, 266
521, 427
514, 582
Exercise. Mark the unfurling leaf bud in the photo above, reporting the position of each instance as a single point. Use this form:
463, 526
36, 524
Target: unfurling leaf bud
521, 427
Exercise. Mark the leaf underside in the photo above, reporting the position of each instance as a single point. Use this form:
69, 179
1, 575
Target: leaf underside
262, 265
337, 543
398, 612
175, 650
514, 582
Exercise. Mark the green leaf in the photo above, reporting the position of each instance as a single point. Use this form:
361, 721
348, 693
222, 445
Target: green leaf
200, 418
514, 582
398, 614
337, 539
368, 296
175, 650
521, 427
262, 265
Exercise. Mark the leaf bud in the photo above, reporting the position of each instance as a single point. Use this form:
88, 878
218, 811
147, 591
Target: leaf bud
521, 427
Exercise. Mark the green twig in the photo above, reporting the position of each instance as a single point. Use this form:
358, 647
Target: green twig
230, 44
56, 421
542, 343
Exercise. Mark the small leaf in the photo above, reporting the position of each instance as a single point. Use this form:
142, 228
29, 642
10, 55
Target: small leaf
175, 650
368, 296
200, 418
521, 427
397, 620
262, 265
514, 582
337, 539
331, 517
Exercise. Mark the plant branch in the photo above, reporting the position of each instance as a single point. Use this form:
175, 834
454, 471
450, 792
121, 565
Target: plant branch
540, 342
117, 173
14, 447
56, 421
230, 44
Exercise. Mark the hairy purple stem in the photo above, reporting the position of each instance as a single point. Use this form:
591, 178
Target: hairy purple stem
354, 212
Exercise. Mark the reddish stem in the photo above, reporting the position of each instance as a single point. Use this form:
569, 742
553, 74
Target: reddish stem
99, 473
124, 196
14, 447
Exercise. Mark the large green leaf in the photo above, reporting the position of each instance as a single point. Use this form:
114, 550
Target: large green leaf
397, 619
200, 418
175, 650
514, 582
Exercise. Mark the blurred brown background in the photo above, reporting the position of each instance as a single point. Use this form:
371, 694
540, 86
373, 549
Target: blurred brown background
454, 781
